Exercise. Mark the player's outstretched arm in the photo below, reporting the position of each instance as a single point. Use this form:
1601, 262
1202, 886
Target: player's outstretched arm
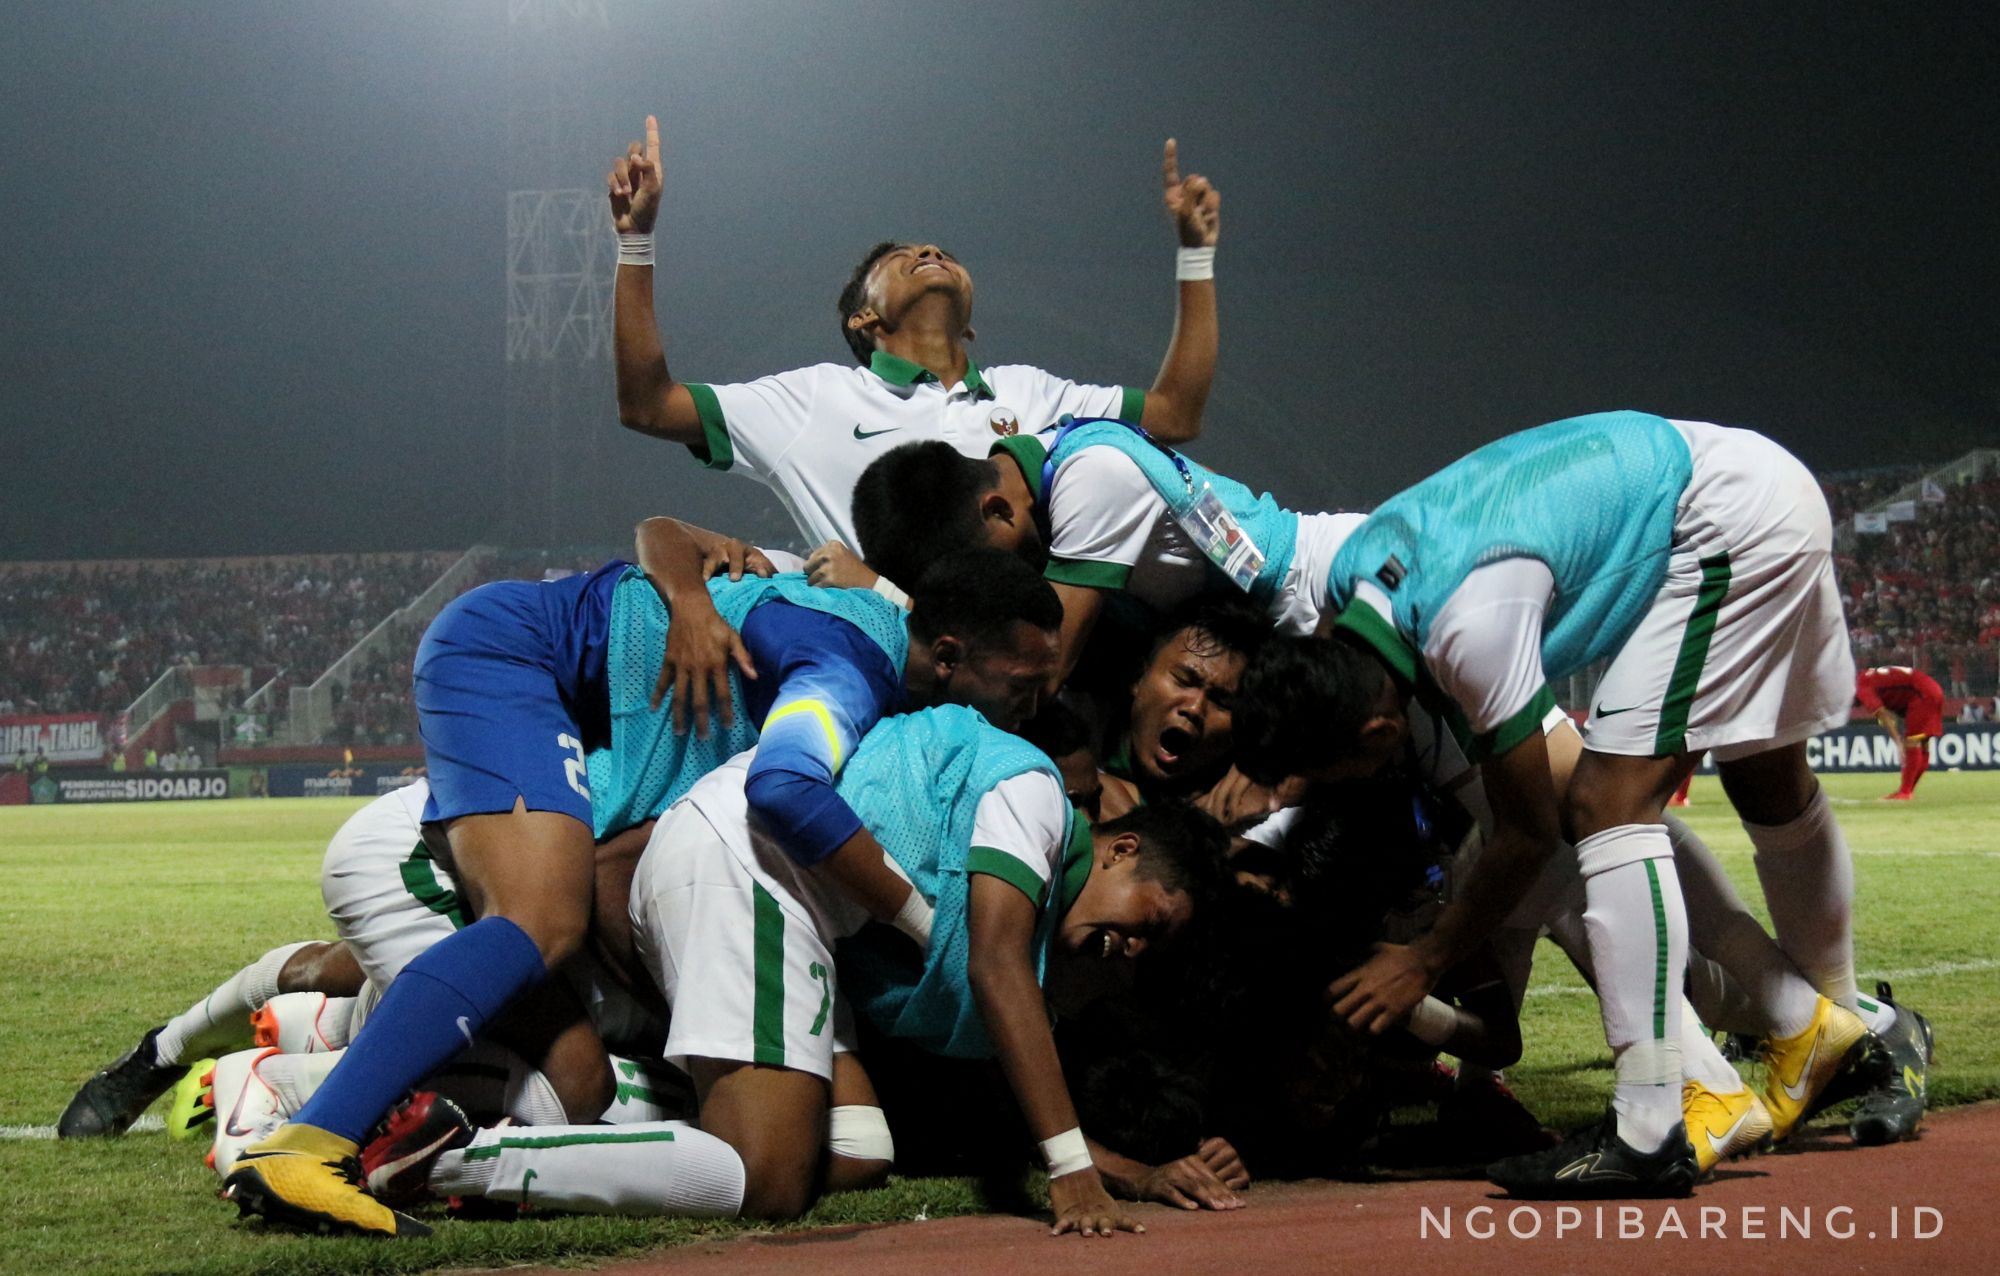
1000, 929
1179, 393
649, 399
1380, 993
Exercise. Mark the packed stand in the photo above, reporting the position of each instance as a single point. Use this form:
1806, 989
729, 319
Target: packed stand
1926, 592
76, 639
375, 707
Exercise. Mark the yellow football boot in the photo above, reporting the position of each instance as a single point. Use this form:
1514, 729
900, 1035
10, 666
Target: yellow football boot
1797, 1068
306, 1178
1722, 1126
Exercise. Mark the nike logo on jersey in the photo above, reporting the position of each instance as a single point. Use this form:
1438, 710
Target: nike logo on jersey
1603, 712
1584, 1170
860, 433
465, 1029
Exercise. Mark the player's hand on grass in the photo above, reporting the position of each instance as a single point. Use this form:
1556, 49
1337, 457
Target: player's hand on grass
1083, 1206
635, 184
1192, 203
834, 566
1189, 1184
700, 648
1380, 993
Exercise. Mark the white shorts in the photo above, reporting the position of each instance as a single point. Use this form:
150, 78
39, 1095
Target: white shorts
740, 956
388, 899
1744, 648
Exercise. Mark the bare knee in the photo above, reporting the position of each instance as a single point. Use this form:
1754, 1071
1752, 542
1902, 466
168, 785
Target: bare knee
1608, 792
1770, 788
323, 968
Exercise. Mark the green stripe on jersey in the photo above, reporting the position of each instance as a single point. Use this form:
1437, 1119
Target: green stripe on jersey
1672, 737
1132, 405
1075, 571
768, 1004
1014, 872
715, 451
487, 1151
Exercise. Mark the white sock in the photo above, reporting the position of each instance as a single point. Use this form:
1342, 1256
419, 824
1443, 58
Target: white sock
221, 1020
1808, 879
296, 1076
666, 1167
311, 1021
490, 1081
1701, 1061
1878, 1016
1722, 929
1637, 926
649, 1090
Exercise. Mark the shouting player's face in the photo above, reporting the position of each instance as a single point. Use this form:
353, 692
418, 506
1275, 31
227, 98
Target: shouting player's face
1181, 708
1120, 912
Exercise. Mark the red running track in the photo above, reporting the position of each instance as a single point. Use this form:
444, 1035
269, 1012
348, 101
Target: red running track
1932, 1206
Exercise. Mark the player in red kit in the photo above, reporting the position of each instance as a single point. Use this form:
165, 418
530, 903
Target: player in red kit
1910, 706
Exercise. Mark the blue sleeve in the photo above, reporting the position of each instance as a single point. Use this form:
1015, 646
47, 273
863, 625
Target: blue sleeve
821, 684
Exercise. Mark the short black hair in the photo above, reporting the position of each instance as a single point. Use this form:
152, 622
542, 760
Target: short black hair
976, 596
855, 295
1302, 704
1181, 848
916, 503
1215, 623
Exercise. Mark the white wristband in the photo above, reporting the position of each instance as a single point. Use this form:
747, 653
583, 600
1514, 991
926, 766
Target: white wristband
1066, 1153
1193, 264
914, 919
887, 588
635, 250
1432, 1022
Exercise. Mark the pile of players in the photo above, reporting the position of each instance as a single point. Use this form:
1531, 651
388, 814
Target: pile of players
721, 869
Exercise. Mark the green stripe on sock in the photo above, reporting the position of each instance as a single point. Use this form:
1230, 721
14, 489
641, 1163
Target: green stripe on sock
768, 1009
1660, 957
487, 1151
1693, 655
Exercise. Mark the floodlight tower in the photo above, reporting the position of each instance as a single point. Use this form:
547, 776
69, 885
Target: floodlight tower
561, 258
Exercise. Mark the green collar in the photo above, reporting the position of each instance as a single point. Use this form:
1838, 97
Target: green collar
1028, 453
1373, 628
1076, 859
898, 371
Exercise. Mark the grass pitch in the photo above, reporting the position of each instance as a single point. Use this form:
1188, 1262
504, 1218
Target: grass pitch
114, 918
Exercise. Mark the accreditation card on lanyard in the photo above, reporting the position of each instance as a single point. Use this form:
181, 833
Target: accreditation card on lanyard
1205, 519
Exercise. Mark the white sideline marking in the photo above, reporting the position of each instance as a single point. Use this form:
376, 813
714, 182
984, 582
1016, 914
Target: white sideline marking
144, 1125
1911, 972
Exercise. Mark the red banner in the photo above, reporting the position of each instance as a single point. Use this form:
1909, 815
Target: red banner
60, 737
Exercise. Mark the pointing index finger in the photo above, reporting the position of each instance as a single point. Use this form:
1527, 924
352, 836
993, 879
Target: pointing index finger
1170, 165
653, 138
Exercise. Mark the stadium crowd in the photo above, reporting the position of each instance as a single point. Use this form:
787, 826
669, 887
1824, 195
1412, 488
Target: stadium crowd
1926, 592
78, 638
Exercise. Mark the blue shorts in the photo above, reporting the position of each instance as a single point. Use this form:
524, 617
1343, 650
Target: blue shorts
511, 695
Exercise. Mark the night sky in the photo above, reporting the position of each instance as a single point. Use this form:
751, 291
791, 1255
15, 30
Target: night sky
254, 252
